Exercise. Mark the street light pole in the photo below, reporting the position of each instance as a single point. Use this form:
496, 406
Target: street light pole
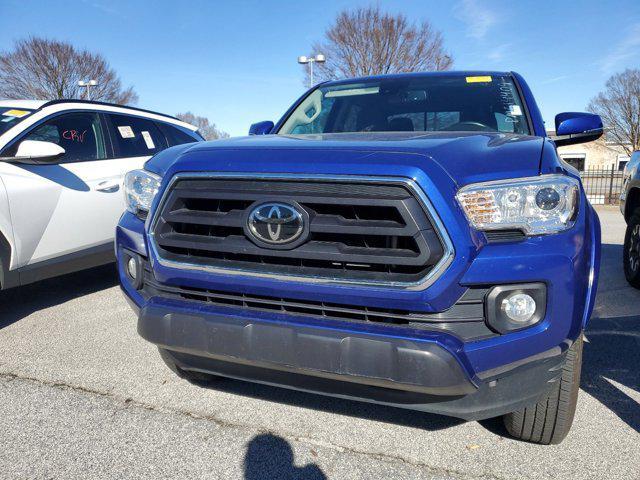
87, 85
319, 58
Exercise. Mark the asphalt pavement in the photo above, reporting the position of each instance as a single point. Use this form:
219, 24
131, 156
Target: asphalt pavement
82, 396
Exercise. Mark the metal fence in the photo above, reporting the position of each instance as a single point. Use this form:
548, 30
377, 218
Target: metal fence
603, 185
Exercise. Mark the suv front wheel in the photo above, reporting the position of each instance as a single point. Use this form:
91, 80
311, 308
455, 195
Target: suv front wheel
631, 252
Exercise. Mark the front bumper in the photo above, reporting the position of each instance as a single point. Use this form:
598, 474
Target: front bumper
409, 373
420, 366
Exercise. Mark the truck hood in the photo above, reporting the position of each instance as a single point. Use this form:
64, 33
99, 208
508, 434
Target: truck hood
466, 157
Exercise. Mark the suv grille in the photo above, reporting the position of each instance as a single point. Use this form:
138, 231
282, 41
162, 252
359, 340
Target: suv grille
357, 231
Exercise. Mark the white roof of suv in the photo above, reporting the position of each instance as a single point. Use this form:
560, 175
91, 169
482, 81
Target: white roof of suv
88, 104
30, 104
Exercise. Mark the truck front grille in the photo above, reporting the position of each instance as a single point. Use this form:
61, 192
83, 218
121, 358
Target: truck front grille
358, 231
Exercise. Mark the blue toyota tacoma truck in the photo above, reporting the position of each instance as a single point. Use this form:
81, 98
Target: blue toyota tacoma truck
412, 240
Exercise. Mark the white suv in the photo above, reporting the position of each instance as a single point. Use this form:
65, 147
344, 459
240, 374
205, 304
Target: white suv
62, 165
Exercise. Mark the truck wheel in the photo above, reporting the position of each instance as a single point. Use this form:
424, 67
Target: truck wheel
549, 420
197, 378
631, 251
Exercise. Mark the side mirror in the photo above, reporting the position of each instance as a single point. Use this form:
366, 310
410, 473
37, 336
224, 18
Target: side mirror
575, 127
261, 128
35, 152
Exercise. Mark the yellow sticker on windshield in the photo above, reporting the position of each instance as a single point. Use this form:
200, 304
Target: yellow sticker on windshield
16, 113
479, 79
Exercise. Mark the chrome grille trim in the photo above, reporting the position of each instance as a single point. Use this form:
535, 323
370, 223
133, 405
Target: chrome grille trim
425, 282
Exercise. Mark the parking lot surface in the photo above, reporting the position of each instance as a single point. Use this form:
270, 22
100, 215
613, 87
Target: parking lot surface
82, 396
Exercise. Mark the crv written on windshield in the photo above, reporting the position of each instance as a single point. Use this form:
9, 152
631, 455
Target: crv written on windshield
441, 103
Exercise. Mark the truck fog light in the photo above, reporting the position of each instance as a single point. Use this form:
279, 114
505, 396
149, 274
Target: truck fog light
519, 307
509, 308
132, 268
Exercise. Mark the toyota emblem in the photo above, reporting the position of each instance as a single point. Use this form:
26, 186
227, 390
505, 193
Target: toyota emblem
275, 223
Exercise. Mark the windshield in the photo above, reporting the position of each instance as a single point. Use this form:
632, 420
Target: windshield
418, 104
11, 116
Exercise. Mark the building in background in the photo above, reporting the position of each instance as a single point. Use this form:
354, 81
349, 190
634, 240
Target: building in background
601, 154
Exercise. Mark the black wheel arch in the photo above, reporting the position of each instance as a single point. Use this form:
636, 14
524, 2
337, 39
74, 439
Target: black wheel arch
5, 259
632, 202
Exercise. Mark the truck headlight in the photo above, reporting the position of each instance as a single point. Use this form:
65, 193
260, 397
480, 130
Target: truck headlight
536, 205
140, 187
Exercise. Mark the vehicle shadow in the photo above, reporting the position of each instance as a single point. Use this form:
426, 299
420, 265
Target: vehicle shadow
271, 456
59, 175
611, 364
18, 303
611, 359
339, 406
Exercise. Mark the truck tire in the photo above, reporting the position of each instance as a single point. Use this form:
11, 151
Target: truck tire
631, 250
197, 378
548, 421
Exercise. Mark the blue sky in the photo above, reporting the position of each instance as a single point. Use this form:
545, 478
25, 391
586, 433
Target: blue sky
235, 61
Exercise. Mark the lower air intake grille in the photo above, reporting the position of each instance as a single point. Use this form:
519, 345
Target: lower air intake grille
465, 319
356, 231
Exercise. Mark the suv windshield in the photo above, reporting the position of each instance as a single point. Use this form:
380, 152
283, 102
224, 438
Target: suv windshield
11, 116
412, 104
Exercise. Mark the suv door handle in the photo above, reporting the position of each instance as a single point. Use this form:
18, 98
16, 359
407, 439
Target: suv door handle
108, 186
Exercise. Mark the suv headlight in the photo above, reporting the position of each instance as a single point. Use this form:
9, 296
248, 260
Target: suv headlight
140, 187
536, 205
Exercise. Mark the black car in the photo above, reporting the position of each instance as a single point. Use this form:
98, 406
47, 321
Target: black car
630, 207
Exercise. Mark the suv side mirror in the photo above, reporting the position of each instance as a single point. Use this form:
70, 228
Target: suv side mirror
575, 127
261, 128
35, 152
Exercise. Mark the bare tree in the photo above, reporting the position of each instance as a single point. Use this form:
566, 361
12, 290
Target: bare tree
208, 130
619, 107
42, 69
366, 41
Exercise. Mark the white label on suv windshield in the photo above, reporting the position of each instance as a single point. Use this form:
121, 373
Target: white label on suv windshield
148, 140
126, 132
